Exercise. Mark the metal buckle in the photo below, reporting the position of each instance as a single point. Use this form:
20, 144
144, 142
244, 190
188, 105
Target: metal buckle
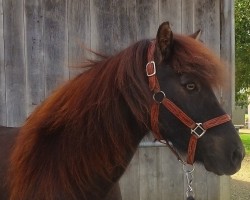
154, 68
199, 131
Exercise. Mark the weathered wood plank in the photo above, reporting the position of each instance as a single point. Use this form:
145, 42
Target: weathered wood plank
3, 111
149, 173
227, 46
200, 182
147, 19
171, 175
34, 18
101, 26
187, 17
14, 61
213, 186
225, 185
113, 26
130, 181
78, 33
207, 19
124, 27
171, 11
55, 44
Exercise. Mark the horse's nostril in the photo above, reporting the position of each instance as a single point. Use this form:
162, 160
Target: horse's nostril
237, 156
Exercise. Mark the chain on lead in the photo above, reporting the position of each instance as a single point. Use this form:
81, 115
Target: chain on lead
188, 170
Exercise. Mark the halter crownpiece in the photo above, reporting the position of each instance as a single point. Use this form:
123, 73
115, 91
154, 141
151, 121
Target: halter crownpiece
197, 129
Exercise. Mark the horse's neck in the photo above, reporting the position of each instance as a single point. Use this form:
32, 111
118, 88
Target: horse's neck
110, 193
87, 156
109, 190
137, 135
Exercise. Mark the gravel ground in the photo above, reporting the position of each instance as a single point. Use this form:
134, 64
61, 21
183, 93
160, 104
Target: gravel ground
240, 183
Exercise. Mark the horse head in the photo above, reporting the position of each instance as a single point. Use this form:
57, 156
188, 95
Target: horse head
188, 73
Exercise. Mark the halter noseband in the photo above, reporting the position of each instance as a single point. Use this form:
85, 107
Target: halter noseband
197, 129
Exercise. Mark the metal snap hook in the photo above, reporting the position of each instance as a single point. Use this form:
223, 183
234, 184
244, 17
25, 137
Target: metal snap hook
187, 168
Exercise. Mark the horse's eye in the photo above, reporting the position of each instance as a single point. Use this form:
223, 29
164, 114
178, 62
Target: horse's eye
190, 86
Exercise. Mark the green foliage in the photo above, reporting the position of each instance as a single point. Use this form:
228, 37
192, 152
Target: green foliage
245, 138
242, 51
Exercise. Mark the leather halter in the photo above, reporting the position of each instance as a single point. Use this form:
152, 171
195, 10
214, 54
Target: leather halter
197, 129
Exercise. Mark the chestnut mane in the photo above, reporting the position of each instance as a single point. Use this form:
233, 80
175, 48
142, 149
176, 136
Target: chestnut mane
191, 56
84, 131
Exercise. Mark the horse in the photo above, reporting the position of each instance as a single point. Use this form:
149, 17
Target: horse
79, 141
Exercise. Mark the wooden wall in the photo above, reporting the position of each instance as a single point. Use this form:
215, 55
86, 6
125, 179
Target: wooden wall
39, 39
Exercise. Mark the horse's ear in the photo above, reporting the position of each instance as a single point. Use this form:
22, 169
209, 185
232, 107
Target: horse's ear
164, 41
196, 35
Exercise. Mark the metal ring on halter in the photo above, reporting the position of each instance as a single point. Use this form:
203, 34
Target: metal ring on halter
159, 97
188, 168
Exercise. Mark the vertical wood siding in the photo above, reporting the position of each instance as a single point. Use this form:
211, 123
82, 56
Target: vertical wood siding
34, 20
3, 110
14, 61
40, 39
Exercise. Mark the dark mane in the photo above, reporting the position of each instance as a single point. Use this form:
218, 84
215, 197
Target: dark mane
191, 56
90, 112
